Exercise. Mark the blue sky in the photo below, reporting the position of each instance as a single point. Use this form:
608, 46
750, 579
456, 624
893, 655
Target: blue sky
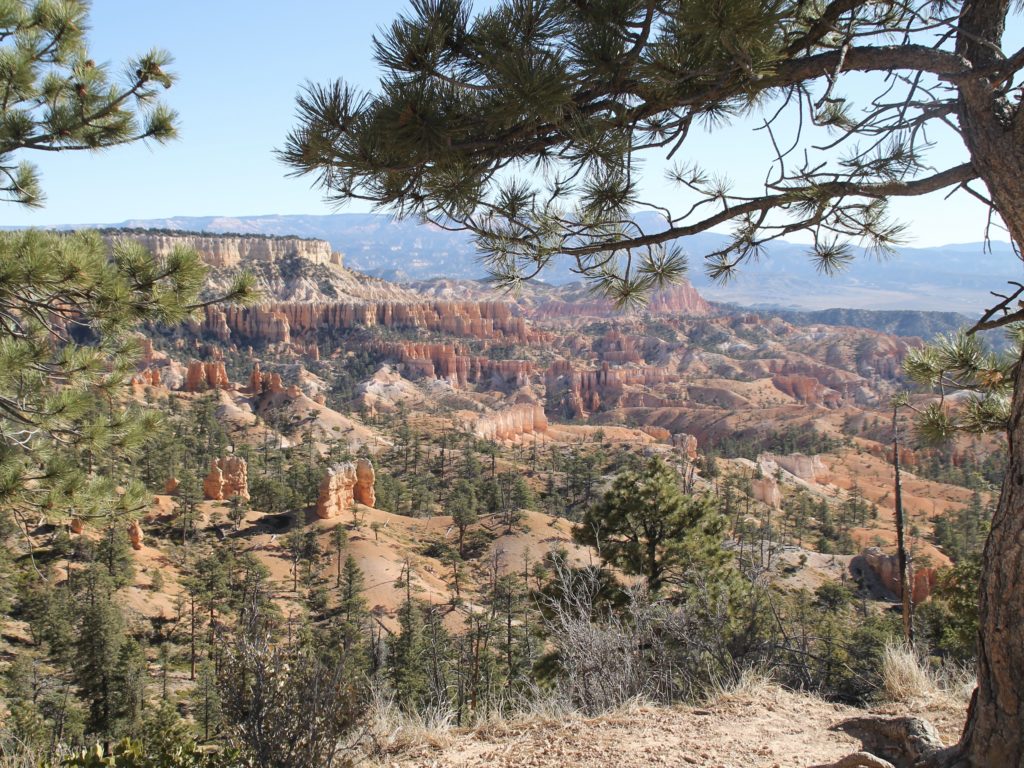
240, 65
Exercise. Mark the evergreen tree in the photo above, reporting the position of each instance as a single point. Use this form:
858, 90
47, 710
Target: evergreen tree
464, 509
647, 526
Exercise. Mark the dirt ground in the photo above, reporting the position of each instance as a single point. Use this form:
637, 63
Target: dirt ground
765, 727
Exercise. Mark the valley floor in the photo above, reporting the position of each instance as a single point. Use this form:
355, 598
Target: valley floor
757, 726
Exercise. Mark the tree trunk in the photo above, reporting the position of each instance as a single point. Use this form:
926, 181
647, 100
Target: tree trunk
994, 734
993, 130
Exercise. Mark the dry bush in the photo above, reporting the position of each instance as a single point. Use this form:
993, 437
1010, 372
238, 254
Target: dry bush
391, 729
904, 677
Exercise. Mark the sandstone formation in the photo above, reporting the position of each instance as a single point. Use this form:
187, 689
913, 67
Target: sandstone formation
522, 419
201, 376
228, 477
344, 484
135, 535
807, 390
766, 490
171, 486
808, 468
364, 491
147, 377
576, 393
660, 434
451, 363
873, 567
232, 250
284, 321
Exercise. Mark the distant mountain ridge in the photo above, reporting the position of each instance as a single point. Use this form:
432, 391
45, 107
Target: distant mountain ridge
955, 278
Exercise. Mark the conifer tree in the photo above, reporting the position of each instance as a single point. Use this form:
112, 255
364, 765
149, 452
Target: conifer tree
646, 525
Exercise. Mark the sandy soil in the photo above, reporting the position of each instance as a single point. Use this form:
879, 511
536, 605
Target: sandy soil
764, 727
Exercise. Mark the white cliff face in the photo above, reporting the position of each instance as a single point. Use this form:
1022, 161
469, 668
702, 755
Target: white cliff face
226, 251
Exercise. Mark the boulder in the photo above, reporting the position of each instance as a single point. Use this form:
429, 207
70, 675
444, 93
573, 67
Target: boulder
880, 574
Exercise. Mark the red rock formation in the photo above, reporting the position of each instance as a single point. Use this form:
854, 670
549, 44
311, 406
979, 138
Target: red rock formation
578, 393
147, 377
364, 491
171, 486
201, 376
451, 363
660, 434
76, 525
522, 419
807, 390
885, 568
344, 484
282, 322
135, 535
228, 477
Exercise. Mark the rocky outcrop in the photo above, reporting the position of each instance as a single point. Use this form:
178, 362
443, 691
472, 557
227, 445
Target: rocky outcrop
810, 469
364, 491
877, 570
575, 393
686, 445
135, 535
281, 322
202, 376
766, 490
233, 250
807, 390
519, 420
228, 477
171, 486
450, 362
147, 377
344, 484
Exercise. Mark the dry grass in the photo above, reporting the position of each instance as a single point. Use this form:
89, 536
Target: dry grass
904, 677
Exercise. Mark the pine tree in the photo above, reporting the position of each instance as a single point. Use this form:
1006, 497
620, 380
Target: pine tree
647, 526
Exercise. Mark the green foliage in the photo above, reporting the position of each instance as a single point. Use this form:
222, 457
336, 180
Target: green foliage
646, 525
961, 362
57, 98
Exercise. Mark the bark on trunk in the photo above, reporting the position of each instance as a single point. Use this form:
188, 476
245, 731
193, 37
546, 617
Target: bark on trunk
993, 130
994, 734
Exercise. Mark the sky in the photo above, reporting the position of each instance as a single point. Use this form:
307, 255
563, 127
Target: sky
240, 66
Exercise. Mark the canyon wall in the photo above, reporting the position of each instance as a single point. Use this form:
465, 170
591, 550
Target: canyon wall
281, 322
452, 363
576, 393
233, 250
519, 420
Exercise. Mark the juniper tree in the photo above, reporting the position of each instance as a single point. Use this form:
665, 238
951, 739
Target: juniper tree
526, 124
